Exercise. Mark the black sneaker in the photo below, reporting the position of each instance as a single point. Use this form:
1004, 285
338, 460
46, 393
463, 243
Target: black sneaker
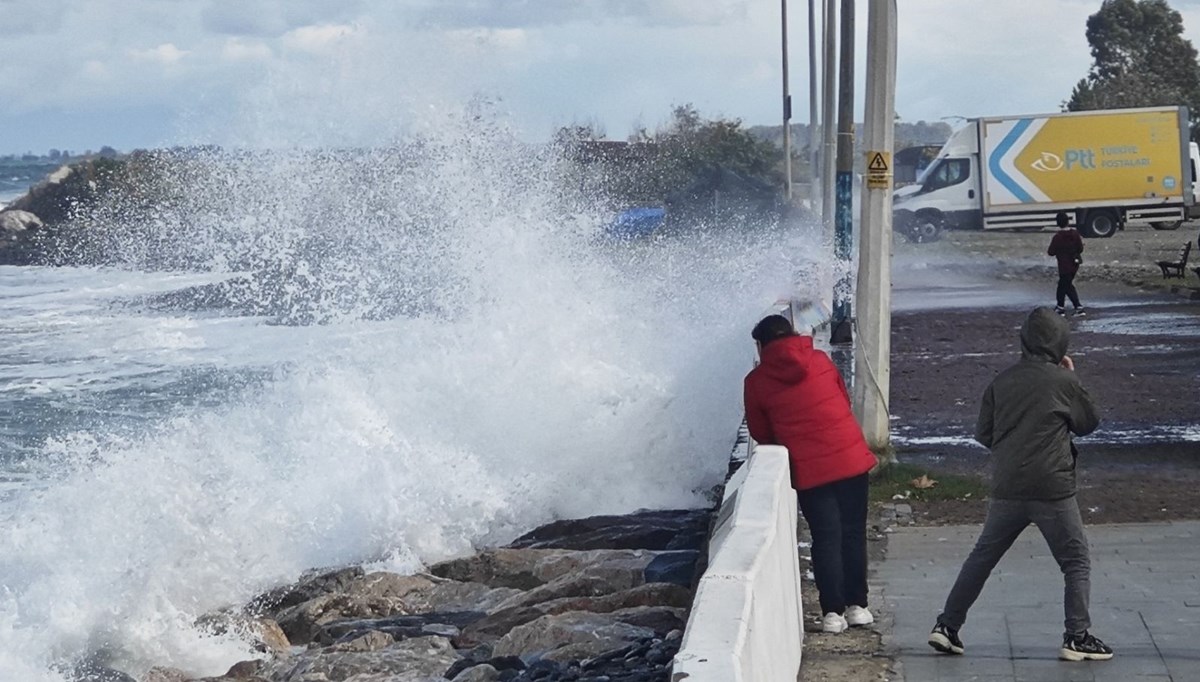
1080, 312
1060, 310
945, 639
1084, 647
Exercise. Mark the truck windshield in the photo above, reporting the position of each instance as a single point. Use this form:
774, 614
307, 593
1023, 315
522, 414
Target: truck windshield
944, 173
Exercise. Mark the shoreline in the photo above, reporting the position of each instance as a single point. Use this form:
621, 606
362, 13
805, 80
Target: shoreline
597, 598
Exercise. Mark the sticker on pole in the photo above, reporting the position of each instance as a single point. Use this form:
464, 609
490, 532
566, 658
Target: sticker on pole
879, 170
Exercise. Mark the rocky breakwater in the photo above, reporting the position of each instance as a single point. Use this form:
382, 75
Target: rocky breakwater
602, 599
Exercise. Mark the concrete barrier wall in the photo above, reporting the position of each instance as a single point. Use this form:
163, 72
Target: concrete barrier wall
746, 623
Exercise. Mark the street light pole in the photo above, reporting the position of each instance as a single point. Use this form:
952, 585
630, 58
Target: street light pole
787, 108
828, 126
872, 352
814, 126
841, 330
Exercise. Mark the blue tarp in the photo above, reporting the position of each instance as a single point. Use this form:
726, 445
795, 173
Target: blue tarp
637, 222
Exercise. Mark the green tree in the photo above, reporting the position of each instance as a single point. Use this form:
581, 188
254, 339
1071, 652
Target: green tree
1139, 58
654, 165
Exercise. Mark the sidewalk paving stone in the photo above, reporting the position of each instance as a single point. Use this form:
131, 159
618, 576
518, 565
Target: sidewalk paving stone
1144, 604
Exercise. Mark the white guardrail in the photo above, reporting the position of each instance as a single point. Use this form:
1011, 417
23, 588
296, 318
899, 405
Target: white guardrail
746, 623
747, 620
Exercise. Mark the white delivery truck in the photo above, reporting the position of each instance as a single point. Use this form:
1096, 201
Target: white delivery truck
1104, 168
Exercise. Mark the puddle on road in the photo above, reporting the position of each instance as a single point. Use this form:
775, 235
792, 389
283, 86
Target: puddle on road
1144, 324
1107, 435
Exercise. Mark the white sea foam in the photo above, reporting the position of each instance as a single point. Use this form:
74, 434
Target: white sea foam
530, 373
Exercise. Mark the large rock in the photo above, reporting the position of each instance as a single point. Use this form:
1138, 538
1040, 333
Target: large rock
660, 619
377, 595
372, 640
594, 633
614, 575
444, 624
162, 674
657, 530
13, 223
264, 634
452, 595
526, 569
310, 586
479, 673
678, 568
498, 624
413, 660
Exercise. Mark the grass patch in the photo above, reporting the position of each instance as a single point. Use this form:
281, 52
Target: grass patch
890, 480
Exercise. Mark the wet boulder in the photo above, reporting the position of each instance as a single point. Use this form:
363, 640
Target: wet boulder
311, 585
655, 530
496, 625
594, 633
14, 223
442, 623
376, 595
413, 660
526, 569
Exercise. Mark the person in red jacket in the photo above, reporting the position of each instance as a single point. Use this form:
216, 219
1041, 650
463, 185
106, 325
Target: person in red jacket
796, 398
1067, 248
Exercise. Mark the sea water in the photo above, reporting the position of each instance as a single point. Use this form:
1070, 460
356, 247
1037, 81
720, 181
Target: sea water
422, 355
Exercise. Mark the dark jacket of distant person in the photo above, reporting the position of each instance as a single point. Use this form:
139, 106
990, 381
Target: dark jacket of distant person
1066, 246
1029, 412
796, 398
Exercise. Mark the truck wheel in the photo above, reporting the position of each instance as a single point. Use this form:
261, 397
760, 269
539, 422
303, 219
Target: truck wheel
1102, 224
1168, 225
927, 227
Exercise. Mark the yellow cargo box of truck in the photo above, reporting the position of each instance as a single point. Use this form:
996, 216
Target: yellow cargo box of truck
1105, 169
1116, 156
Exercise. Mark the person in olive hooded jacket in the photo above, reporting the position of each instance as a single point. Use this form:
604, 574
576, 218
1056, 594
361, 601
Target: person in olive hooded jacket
796, 398
1028, 414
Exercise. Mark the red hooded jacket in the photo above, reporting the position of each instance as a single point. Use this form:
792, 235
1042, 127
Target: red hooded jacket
796, 398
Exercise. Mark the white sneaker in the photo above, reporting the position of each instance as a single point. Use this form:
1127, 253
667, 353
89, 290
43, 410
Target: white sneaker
858, 615
833, 623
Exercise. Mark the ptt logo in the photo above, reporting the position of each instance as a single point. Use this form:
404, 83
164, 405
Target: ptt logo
1074, 158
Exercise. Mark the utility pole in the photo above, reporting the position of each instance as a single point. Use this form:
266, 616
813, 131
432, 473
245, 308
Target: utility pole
787, 109
841, 329
814, 125
872, 351
828, 127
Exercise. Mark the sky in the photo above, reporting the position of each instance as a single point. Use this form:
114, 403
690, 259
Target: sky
80, 74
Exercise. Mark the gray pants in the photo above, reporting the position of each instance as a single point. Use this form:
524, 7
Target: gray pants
1061, 526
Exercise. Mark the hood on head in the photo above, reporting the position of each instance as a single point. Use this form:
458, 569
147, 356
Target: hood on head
786, 360
1044, 336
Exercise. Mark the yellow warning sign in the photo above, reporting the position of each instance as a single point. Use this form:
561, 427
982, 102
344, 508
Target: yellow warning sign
879, 170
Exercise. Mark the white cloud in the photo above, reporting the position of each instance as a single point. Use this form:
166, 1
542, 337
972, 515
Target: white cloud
317, 39
549, 61
94, 69
491, 38
238, 50
166, 54
524, 13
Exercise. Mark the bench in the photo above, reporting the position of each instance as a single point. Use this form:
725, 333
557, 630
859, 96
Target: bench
1175, 268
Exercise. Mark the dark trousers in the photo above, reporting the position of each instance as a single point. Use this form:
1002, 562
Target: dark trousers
1066, 287
837, 516
1061, 526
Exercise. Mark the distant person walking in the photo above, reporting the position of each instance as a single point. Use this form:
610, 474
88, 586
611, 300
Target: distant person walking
1028, 414
1067, 247
796, 398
